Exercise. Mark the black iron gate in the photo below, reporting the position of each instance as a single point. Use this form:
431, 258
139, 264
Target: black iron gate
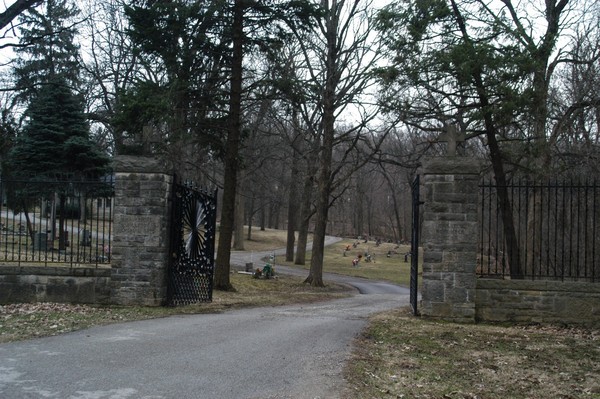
191, 268
414, 246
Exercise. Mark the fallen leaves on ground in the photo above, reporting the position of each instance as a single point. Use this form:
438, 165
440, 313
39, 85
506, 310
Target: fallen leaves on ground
31, 320
401, 356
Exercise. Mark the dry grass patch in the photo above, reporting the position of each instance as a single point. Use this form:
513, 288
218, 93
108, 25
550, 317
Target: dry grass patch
281, 290
24, 321
401, 356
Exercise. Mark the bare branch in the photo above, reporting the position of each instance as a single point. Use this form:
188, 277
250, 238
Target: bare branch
16, 9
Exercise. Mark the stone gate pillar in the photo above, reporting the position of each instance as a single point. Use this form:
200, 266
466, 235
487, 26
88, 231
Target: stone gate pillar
140, 231
449, 237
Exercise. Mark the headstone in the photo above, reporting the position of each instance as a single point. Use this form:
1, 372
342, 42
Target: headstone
86, 239
40, 241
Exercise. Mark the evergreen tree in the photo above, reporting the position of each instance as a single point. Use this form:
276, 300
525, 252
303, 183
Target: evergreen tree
47, 48
184, 101
55, 139
7, 132
54, 145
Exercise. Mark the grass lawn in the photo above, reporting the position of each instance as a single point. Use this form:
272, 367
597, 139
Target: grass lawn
338, 260
263, 240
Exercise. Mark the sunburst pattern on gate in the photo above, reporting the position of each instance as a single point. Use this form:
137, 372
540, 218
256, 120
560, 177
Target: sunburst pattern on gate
192, 245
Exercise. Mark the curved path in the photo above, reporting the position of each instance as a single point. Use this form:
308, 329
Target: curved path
291, 352
364, 286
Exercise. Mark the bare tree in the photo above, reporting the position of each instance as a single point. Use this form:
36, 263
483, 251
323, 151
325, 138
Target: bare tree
112, 67
338, 57
576, 103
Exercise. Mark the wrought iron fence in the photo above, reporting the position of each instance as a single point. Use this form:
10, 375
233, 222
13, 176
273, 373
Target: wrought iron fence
556, 229
56, 222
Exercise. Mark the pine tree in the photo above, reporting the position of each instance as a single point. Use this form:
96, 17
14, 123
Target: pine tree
54, 144
55, 140
47, 48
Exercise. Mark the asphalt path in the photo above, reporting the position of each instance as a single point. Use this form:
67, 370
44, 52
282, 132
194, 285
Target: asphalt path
291, 352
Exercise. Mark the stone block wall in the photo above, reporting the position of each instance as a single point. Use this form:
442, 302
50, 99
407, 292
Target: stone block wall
140, 248
449, 238
23, 284
141, 231
451, 289
527, 301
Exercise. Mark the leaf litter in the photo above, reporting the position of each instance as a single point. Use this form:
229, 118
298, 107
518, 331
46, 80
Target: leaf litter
401, 356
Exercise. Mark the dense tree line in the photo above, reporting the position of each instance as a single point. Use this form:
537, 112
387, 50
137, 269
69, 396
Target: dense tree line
314, 115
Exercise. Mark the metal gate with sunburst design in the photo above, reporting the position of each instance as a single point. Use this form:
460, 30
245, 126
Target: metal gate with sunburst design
191, 267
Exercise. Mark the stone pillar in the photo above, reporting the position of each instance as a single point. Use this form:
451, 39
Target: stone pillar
140, 231
449, 237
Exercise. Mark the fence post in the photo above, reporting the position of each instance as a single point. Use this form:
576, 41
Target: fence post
140, 236
449, 238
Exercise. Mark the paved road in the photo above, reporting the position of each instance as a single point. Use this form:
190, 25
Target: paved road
294, 352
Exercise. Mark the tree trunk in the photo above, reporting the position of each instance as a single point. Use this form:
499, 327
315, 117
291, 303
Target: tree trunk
82, 211
238, 231
315, 276
62, 240
53, 218
359, 210
28, 222
222, 268
398, 230
263, 215
292, 210
250, 217
305, 216
238, 240
512, 246
542, 164
369, 201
